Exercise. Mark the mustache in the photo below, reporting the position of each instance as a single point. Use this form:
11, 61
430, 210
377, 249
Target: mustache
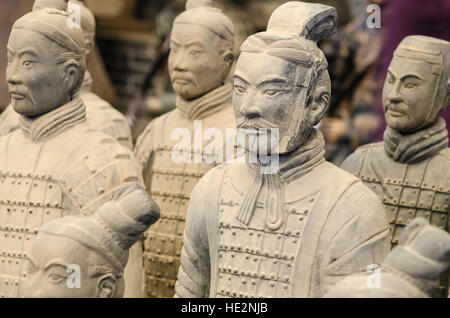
397, 107
188, 77
29, 95
16, 91
258, 124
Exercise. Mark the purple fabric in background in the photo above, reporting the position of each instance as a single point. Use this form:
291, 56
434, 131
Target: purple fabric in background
410, 17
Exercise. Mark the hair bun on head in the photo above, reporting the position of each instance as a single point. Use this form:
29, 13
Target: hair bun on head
194, 4
51, 4
312, 21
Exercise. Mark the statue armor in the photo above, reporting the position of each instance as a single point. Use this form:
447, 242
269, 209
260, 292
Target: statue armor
47, 173
170, 184
100, 115
407, 190
285, 256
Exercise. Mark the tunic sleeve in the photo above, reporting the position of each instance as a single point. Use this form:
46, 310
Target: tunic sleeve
359, 237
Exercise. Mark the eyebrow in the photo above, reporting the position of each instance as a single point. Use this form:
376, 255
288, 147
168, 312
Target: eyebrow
392, 73
27, 51
241, 78
55, 263
272, 79
406, 75
411, 75
196, 42
174, 42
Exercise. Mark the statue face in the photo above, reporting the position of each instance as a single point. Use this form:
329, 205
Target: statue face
36, 82
47, 275
263, 96
407, 94
196, 63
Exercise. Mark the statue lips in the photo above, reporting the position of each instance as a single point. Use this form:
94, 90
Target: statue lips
17, 95
395, 111
183, 80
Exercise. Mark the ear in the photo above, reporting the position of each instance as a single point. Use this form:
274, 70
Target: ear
107, 286
228, 58
71, 74
320, 101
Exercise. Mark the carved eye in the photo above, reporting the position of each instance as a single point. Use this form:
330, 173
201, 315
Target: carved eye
239, 90
194, 53
271, 92
27, 63
55, 279
410, 85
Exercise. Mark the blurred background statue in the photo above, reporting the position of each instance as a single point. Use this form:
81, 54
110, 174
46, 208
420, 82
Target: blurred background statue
410, 169
100, 114
201, 56
56, 164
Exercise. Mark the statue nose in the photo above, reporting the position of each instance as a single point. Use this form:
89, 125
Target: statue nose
395, 99
251, 112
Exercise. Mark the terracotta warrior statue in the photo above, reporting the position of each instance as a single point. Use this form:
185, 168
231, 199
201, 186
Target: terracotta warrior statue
87, 255
296, 230
201, 55
410, 169
100, 114
56, 164
412, 269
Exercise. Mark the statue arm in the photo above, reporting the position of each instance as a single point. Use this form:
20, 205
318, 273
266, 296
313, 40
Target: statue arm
102, 176
360, 236
194, 274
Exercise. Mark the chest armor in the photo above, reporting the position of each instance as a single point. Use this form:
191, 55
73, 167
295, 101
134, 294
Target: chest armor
410, 190
254, 261
170, 185
30, 196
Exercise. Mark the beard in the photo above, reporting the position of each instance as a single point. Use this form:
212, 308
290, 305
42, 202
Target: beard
184, 85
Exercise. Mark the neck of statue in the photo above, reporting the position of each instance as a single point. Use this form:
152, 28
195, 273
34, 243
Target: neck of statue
54, 122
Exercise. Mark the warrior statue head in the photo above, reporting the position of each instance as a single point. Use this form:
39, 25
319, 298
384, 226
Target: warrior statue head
281, 79
79, 256
417, 86
86, 19
46, 63
201, 49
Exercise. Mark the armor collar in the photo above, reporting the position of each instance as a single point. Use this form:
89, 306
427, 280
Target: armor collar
86, 87
59, 119
207, 104
291, 166
415, 147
